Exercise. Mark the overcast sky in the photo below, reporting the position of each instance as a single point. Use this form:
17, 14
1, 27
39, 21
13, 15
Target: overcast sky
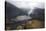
27, 3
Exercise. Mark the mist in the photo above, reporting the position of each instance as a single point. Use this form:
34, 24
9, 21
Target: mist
27, 5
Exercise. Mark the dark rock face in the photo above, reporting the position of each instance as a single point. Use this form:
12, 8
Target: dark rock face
38, 13
12, 11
